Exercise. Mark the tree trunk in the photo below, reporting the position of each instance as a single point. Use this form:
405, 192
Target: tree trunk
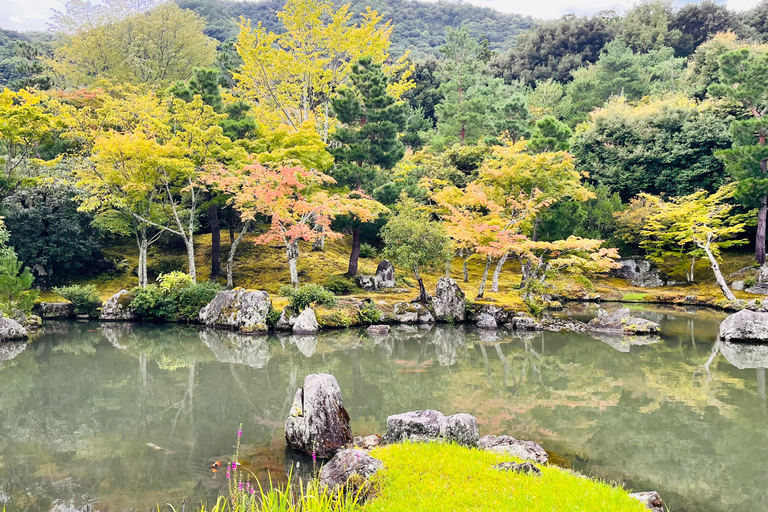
536, 224
141, 240
693, 262
422, 291
213, 216
718, 275
525, 271
464, 269
448, 268
495, 282
762, 213
232, 250
292, 251
483, 279
354, 256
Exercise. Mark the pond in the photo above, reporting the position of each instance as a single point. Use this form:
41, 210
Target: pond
123, 417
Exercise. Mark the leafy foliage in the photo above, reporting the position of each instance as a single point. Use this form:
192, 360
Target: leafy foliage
85, 298
307, 295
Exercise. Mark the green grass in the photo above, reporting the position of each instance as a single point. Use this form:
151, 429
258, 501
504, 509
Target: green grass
635, 297
445, 477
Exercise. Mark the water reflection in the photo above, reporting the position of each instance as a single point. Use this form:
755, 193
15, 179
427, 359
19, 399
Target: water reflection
120, 416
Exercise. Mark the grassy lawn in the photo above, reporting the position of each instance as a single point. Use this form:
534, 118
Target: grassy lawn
445, 477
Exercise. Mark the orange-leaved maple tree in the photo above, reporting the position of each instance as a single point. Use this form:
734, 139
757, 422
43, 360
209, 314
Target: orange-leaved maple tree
293, 198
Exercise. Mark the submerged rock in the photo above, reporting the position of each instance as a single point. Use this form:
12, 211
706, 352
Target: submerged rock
241, 310
378, 330
318, 422
54, 310
432, 425
449, 302
306, 323
745, 326
651, 499
117, 308
622, 321
351, 469
508, 445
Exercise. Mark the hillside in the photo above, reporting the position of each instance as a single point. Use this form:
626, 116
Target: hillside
418, 26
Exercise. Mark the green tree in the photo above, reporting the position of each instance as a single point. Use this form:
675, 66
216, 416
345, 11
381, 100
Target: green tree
413, 241
367, 142
15, 279
697, 22
549, 134
742, 79
645, 27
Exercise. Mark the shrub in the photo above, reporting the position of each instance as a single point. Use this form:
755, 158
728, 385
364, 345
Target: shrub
367, 251
151, 304
749, 282
173, 281
339, 285
369, 313
189, 300
585, 282
303, 297
85, 298
273, 316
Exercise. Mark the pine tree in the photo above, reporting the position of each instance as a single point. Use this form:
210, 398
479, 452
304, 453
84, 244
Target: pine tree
368, 140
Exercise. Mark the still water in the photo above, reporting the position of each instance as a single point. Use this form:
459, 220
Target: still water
123, 417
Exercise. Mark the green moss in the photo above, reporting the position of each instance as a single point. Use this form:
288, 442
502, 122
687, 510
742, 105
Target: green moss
445, 477
635, 297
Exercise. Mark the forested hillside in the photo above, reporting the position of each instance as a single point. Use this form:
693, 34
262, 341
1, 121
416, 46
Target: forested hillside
419, 26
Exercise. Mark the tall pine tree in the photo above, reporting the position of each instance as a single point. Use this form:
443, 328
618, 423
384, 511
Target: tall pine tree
367, 141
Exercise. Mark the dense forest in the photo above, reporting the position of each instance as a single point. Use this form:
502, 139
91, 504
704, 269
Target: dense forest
427, 132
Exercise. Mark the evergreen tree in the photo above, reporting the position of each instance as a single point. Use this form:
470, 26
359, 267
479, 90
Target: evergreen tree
368, 140
550, 135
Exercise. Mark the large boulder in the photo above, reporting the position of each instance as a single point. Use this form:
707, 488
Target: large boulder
622, 321
241, 310
350, 469
117, 308
412, 313
758, 289
449, 302
486, 321
639, 272
432, 425
508, 445
306, 323
746, 327
11, 330
385, 274
54, 310
651, 499
368, 283
318, 423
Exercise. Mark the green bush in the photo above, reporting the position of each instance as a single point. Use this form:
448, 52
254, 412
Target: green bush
749, 282
174, 281
189, 300
85, 298
339, 285
303, 297
369, 313
367, 251
585, 282
273, 316
151, 304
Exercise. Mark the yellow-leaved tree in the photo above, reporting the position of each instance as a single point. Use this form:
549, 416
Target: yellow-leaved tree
291, 77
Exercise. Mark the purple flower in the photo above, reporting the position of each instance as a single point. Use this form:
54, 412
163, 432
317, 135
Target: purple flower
239, 433
314, 457
234, 465
228, 477
241, 486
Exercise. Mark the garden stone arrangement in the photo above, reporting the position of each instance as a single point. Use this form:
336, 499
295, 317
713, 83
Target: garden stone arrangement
319, 425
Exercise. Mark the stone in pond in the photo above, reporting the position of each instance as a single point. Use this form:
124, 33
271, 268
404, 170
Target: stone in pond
746, 327
651, 499
350, 469
242, 310
508, 445
378, 330
622, 321
318, 422
486, 321
306, 323
449, 302
429, 425
117, 308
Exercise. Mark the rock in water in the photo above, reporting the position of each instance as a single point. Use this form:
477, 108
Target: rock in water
486, 321
11, 330
54, 310
621, 321
432, 426
349, 468
318, 422
385, 274
286, 320
508, 445
651, 499
306, 323
412, 313
378, 330
745, 326
449, 302
241, 310
117, 308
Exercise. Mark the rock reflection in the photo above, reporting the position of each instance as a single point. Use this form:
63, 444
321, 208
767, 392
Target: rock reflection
9, 350
231, 347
